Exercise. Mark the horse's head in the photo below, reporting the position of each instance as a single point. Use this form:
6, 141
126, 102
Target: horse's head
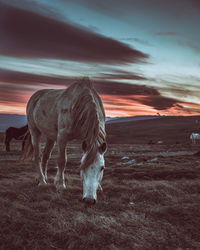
92, 173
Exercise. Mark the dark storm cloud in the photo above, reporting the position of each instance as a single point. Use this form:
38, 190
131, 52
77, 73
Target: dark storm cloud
10, 76
22, 78
27, 34
159, 102
123, 89
136, 93
17, 82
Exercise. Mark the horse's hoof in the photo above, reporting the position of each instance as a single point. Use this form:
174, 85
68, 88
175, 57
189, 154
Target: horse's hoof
41, 183
60, 187
100, 187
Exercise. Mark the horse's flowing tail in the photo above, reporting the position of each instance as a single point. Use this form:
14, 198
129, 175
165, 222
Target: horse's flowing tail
27, 152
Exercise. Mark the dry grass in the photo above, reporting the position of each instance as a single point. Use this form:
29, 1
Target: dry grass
174, 129
145, 205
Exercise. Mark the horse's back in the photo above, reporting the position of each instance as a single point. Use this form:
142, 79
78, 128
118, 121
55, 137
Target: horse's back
49, 110
195, 135
36, 97
42, 111
45, 99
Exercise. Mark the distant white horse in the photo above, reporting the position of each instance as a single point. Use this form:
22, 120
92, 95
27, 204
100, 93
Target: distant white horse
195, 137
62, 115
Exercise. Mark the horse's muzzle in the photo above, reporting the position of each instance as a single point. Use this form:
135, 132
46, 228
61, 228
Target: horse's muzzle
89, 201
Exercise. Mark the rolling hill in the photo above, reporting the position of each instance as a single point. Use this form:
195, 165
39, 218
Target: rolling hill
169, 129
8, 120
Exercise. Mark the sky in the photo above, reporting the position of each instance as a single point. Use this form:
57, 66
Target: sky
143, 56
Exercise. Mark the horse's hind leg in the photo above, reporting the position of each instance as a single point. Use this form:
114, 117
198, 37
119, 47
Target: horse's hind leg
35, 137
7, 146
7, 143
45, 157
61, 161
23, 144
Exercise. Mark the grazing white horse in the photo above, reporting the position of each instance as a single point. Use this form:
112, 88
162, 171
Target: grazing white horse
195, 137
62, 115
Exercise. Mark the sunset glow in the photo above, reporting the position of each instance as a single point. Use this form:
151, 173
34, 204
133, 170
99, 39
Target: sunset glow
142, 57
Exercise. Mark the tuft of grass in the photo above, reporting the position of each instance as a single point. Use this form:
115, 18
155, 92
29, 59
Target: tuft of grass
149, 206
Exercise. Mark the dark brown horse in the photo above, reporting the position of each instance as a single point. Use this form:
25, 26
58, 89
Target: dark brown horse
17, 134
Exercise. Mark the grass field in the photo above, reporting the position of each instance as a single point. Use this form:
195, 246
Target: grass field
150, 200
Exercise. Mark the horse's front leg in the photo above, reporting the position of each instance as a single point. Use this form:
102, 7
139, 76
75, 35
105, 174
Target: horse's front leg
7, 146
45, 157
35, 138
61, 162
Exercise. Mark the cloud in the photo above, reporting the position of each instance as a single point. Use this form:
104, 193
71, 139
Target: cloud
131, 92
30, 35
134, 39
118, 98
158, 102
22, 78
123, 89
101, 82
136, 93
194, 45
14, 94
168, 33
120, 75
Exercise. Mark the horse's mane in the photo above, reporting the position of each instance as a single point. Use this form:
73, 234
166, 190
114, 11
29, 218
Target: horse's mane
86, 118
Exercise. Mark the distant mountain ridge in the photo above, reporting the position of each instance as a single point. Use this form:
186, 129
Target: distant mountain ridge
8, 120
110, 120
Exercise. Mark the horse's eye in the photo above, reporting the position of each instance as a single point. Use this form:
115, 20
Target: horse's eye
102, 168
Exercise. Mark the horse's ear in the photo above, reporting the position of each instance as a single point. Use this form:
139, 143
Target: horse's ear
103, 148
84, 146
